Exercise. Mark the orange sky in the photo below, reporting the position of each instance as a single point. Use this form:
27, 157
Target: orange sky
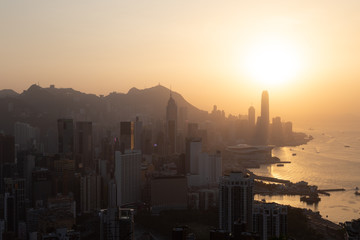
196, 47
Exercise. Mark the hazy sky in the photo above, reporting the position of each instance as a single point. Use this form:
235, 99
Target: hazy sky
199, 48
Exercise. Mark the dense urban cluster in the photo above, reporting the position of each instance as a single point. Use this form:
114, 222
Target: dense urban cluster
100, 178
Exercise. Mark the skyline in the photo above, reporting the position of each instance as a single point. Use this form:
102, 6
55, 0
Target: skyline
104, 47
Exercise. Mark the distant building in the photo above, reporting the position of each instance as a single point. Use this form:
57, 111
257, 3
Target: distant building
65, 136
249, 152
138, 132
117, 223
26, 136
168, 192
270, 220
263, 131
236, 200
171, 125
90, 190
84, 145
126, 136
7, 149
251, 117
41, 186
128, 177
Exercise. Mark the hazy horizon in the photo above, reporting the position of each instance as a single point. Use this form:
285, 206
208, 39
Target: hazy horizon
304, 53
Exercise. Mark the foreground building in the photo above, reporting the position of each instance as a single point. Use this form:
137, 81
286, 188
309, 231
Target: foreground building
236, 200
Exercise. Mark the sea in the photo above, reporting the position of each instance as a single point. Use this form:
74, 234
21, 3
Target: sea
330, 161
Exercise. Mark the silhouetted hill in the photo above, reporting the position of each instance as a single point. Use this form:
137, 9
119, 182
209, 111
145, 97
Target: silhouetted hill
42, 107
8, 93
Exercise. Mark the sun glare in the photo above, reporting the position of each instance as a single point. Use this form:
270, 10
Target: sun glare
272, 63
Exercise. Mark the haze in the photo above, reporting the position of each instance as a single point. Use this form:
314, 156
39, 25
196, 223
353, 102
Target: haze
200, 49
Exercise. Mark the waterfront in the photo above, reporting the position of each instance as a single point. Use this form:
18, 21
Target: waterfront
326, 162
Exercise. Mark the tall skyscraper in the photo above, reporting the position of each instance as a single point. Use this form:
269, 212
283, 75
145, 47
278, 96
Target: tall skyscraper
251, 117
65, 136
236, 200
138, 132
7, 149
264, 123
128, 177
126, 136
84, 145
171, 125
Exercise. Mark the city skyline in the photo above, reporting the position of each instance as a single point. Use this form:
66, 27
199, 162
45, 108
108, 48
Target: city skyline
101, 48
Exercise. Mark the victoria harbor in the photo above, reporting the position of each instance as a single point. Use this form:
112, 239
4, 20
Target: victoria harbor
329, 161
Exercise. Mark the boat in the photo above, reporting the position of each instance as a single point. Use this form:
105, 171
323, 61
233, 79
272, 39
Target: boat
294, 154
310, 199
347, 146
357, 193
280, 165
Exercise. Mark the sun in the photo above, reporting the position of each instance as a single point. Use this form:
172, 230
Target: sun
272, 62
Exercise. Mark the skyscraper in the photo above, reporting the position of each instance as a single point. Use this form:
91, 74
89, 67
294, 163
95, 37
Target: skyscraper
270, 220
127, 177
251, 117
65, 136
264, 123
126, 136
171, 125
236, 200
84, 145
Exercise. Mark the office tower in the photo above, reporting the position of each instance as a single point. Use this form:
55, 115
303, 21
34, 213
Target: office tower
276, 131
235, 200
168, 192
192, 130
26, 136
7, 149
270, 220
65, 136
193, 150
126, 136
264, 123
251, 117
171, 125
117, 223
90, 190
64, 170
41, 186
138, 131
183, 118
128, 177
84, 145
14, 200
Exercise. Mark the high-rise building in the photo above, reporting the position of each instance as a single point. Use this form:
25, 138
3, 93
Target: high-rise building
84, 145
90, 190
138, 131
117, 223
126, 136
251, 117
7, 149
264, 120
128, 177
265, 107
65, 136
236, 200
41, 186
26, 136
171, 125
270, 220
193, 150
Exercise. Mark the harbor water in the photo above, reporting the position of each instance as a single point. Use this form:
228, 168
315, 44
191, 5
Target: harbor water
331, 160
